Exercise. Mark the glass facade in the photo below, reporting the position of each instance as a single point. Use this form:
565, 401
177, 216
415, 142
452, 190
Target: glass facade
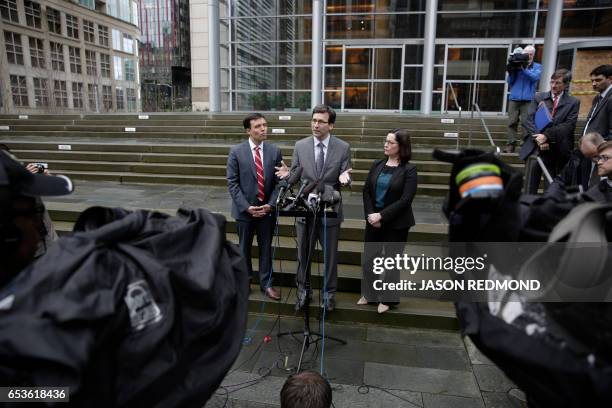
165, 55
373, 51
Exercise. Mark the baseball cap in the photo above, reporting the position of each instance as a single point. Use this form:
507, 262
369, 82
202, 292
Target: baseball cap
19, 180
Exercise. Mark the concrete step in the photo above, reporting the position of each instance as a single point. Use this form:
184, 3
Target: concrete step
411, 312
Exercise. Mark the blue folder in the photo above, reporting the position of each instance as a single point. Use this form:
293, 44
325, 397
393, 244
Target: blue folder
542, 118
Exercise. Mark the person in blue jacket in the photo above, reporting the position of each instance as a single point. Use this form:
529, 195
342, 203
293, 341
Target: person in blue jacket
522, 82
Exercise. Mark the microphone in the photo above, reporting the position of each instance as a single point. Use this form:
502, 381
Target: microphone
286, 184
330, 196
304, 184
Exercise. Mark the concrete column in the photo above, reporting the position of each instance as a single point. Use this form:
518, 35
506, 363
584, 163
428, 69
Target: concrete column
317, 52
429, 49
214, 70
551, 42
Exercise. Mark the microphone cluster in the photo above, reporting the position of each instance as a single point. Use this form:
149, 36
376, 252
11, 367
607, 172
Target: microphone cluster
310, 195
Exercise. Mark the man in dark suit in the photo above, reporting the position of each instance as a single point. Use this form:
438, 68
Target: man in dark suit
252, 185
581, 168
325, 160
602, 192
599, 118
555, 142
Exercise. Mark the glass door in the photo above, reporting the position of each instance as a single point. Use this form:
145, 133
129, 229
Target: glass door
477, 74
372, 78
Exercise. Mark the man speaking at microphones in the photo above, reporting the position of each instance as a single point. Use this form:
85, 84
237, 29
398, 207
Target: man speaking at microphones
325, 160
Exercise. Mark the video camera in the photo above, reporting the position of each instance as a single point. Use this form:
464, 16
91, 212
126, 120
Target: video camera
518, 60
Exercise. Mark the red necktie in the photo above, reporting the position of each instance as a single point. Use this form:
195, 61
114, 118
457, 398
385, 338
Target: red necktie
555, 101
260, 175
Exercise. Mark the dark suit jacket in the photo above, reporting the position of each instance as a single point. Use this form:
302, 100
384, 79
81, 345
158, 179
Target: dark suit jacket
397, 211
560, 132
576, 172
338, 160
242, 177
601, 121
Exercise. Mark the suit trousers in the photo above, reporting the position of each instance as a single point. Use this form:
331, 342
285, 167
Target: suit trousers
264, 229
379, 242
328, 238
517, 113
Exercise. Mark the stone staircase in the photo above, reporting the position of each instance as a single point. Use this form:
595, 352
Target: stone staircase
191, 150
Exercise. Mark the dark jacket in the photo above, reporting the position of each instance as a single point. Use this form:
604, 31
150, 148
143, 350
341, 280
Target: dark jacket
146, 311
242, 177
576, 172
600, 120
397, 211
560, 133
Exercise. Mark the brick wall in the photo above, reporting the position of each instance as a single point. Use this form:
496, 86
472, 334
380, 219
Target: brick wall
585, 61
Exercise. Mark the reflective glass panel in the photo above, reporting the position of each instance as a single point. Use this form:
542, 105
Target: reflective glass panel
411, 101
581, 23
386, 95
412, 78
358, 63
387, 63
486, 25
272, 29
279, 101
259, 78
375, 26
380, 6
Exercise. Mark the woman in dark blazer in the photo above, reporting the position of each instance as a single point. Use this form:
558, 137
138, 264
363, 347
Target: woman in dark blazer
387, 201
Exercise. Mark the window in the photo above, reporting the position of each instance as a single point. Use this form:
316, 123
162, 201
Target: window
92, 96
130, 74
116, 40
103, 35
57, 56
118, 65
119, 95
32, 12
128, 44
41, 93
8, 10
54, 21
14, 49
89, 31
77, 95
72, 26
131, 99
90, 63
105, 65
107, 98
37, 53
74, 55
19, 89
60, 94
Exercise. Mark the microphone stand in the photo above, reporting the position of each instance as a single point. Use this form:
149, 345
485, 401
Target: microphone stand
310, 222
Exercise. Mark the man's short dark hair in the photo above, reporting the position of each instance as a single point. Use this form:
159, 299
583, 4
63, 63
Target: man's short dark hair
605, 70
562, 73
306, 390
325, 109
246, 122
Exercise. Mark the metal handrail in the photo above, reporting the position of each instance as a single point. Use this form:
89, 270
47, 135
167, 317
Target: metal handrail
498, 151
449, 84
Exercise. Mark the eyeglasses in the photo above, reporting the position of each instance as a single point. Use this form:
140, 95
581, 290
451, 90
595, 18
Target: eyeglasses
318, 122
390, 142
603, 158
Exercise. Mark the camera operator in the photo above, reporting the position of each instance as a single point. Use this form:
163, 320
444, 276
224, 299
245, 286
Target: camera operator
522, 76
22, 213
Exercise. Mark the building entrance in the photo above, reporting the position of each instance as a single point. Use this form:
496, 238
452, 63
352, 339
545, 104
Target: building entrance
477, 74
372, 78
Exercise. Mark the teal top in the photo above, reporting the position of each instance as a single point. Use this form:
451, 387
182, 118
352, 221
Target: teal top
382, 185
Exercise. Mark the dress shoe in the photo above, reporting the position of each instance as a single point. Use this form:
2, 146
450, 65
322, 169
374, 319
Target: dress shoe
509, 148
382, 308
272, 293
329, 303
362, 301
300, 299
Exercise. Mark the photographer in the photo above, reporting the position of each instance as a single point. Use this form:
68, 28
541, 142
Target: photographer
522, 76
